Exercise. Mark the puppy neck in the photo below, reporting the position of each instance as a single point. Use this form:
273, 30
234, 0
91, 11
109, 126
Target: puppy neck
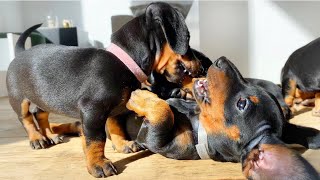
136, 43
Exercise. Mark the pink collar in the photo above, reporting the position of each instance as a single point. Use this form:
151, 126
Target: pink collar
128, 61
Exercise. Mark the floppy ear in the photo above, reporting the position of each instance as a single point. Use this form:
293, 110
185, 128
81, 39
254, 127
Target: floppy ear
187, 107
172, 23
276, 161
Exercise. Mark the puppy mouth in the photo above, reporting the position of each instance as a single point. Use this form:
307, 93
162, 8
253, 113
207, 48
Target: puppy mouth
200, 89
186, 70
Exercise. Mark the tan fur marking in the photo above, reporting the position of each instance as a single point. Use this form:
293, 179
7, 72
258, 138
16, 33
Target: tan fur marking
65, 128
117, 134
187, 85
165, 57
291, 92
146, 104
28, 123
94, 152
304, 95
183, 137
43, 122
168, 60
254, 99
212, 115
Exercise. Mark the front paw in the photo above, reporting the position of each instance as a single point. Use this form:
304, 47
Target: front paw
102, 168
37, 140
128, 147
148, 105
141, 101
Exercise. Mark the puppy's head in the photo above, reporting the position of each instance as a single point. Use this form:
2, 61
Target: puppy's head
233, 112
165, 89
243, 122
169, 36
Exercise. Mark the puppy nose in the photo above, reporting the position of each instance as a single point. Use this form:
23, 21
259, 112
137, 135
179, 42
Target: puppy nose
219, 62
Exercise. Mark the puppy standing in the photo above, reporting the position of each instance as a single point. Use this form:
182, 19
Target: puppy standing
93, 84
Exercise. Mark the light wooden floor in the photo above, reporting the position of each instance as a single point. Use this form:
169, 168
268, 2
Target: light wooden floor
66, 161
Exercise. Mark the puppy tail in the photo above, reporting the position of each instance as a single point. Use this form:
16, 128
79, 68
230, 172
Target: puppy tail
22, 39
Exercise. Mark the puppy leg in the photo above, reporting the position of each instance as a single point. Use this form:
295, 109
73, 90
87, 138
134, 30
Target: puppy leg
42, 119
316, 109
288, 90
305, 136
118, 137
94, 116
156, 129
37, 140
66, 128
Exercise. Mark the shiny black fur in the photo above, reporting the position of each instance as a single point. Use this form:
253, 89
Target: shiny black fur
93, 84
303, 66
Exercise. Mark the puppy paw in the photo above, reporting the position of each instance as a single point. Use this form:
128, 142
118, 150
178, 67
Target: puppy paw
102, 168
127, 147
148, 105
54, 139
132, 147
37, 141
38, 144
142, 101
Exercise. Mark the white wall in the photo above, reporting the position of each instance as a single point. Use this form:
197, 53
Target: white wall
16, 16
10, 16
97, 17
35, 12
224, 31
276, 29
193, 23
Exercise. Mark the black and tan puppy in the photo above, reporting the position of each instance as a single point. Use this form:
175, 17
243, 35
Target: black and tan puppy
93, 84
302, 71
231, 120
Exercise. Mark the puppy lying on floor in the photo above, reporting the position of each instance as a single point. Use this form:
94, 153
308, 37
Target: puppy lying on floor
230, 120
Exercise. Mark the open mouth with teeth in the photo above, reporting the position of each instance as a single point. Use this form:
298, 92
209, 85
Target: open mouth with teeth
186, 70
200, 89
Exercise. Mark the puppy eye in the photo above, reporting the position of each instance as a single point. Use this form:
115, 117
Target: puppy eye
242, 103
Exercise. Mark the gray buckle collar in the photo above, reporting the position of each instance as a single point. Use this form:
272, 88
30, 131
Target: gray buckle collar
202, 146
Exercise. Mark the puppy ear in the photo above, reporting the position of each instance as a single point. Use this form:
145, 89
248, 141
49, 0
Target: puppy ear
187, 107
172, 23
276, 161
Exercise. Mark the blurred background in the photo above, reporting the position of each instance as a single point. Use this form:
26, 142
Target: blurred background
257, 35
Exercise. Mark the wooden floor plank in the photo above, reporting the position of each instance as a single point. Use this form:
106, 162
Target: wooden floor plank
65, 161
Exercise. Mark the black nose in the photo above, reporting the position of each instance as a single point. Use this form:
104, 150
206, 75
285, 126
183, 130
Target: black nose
220, 62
